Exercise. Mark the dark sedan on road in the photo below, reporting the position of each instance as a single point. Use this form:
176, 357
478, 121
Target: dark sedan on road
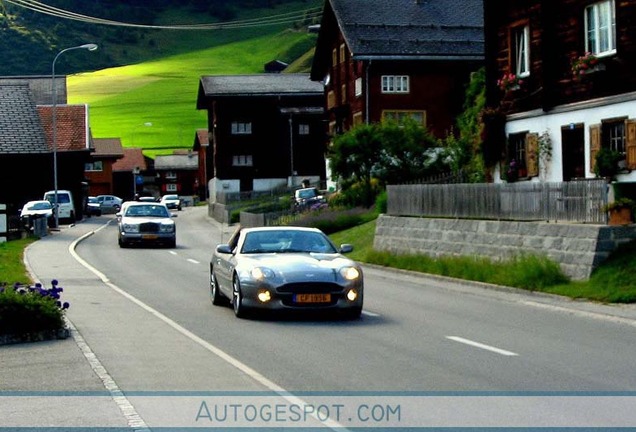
285, 268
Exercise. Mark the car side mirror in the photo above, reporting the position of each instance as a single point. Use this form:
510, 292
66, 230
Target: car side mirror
224, 249
346, 248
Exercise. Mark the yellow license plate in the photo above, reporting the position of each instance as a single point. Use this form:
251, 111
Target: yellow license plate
150, 236
312, 298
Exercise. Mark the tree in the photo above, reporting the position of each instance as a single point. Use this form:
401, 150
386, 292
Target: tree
354, 157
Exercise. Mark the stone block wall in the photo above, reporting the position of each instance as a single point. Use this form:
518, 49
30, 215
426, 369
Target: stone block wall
577, 248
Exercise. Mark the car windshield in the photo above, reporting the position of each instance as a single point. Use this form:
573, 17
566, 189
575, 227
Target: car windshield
307, 193
284, 241
93, 200
40, 206
170, 197
147, 211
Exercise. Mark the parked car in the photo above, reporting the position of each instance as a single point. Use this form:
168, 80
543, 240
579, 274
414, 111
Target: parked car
93, 207
65, 205
308, 198
285, 268
171, 201
109, 202
146, 223
33, 210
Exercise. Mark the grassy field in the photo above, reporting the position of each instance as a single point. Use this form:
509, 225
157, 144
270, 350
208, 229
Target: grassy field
152, 104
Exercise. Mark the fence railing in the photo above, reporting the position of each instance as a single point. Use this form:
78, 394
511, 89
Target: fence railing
575, 201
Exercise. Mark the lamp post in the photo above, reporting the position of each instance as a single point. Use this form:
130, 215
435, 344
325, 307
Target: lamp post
89, 47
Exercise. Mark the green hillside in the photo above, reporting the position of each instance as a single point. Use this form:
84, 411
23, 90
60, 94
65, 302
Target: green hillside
123, 101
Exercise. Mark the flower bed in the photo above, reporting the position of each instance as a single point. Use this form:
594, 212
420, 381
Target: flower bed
31, 313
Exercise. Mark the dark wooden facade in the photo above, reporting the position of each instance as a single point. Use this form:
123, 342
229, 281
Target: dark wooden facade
282, 130
574, 110
359, 43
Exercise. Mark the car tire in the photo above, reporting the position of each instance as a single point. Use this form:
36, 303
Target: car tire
122, 244
215, 295
237, 299
352, 314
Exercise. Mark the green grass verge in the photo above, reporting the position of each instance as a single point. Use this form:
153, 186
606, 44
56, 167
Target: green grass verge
614, 281
12, 269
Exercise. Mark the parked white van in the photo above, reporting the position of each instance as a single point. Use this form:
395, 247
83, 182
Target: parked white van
66, 208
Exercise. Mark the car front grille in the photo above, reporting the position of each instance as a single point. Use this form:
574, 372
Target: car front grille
149, 227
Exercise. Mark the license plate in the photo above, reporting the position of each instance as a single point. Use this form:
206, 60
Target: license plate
312, 298
149, 236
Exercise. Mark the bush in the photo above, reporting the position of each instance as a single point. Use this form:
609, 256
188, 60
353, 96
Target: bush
29, 309
334, 220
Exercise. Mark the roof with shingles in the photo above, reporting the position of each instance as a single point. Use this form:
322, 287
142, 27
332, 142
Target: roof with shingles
449, 28
188, 161
260, 85
20, 127
133, 157
107, 148
73, 132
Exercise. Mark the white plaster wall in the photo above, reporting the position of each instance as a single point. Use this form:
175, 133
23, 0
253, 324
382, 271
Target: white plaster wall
589, 114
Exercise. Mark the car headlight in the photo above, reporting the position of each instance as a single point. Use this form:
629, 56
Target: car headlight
166, 228
349, 273
260, 273
133, 228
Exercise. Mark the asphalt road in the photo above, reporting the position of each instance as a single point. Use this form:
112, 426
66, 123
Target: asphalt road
416, 333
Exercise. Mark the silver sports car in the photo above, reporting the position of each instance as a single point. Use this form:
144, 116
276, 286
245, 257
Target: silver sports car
285, 268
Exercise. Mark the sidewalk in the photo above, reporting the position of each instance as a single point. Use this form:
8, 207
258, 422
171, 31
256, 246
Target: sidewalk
139, 351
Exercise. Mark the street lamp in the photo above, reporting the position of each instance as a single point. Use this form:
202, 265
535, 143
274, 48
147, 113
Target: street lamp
89, 47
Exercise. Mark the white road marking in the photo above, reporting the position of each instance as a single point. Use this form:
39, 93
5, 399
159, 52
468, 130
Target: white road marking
371, 314
482, 346
173, 253
125, 405
193, 261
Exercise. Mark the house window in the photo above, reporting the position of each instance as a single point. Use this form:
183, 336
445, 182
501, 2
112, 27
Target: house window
517, 155
331, 99
343, 94
242, 160
395, 84
171, 187
613, 135
400, 115
358, 86
357, 118
303, 129
241, 128
600, 28
171, 175
342, 53
334, 57
94, 166
521, 50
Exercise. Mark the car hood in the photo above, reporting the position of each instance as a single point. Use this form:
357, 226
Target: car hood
45, 212
292, 267
140, 220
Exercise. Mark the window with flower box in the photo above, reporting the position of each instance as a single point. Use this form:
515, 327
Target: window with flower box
619, 135
600, 28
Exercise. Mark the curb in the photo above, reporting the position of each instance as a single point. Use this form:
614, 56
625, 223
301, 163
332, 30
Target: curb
40, 336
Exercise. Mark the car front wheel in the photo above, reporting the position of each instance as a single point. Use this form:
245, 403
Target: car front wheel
237, 299
215, 294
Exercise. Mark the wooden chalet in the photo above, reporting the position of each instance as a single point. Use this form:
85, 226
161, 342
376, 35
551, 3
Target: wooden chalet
266, 131
99, 171
560, 79
402, 58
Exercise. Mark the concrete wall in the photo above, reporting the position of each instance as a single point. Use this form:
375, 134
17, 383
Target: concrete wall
577, 248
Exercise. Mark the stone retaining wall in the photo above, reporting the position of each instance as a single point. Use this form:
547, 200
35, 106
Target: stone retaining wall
578, 248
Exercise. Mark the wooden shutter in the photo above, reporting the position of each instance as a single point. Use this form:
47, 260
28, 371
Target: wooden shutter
595, 144
630, 143
532, 153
